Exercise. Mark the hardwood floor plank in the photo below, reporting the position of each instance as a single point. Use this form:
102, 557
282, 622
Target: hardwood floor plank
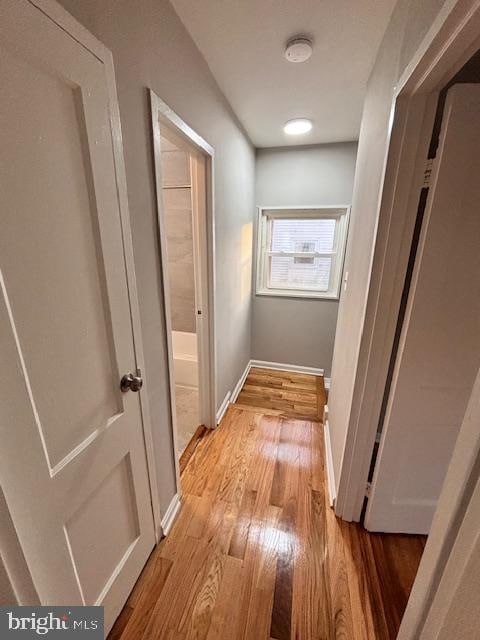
295, 395
242, 527
121, 622
225, 614
277, 492
256, 553
264, 411
284, 393
337, 567
191, 446
180, 588
259, 573
321, 395
281, 621
197, 622
365, 592
260, 477
145, 603
236, 468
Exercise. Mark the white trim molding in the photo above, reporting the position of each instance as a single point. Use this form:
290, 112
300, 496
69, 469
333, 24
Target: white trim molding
241, 382
223, 407
171, 513
279, 366
332, 493
162, 116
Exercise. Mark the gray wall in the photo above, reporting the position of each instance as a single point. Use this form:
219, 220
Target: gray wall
296, 330
409, 23
151, 48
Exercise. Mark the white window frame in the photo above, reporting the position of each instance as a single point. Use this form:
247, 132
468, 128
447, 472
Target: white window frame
340, 212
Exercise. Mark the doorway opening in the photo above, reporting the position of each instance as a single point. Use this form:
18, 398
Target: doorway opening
183, 170
434, 358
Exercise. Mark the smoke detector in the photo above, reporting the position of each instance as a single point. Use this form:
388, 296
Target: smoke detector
298, 49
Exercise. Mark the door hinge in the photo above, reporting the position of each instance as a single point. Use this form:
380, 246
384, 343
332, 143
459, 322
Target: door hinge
427, 173
368, 487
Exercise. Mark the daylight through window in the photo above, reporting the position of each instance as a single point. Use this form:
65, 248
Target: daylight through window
301, 251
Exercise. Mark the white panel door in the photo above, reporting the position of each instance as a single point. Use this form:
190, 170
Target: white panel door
72, 456
439, 350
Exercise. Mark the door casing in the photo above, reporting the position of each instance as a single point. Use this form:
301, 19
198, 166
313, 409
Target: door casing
204, 252
436, 343
450, 42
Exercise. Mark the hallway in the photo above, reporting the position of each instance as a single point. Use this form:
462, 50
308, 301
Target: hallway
256, 552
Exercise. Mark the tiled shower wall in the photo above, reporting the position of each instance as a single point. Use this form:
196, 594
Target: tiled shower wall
178, 223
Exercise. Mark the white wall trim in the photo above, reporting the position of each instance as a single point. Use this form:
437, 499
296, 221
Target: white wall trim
171, 513
223, 407
327, 382
332, 493
279, 366
241, 382
162, 115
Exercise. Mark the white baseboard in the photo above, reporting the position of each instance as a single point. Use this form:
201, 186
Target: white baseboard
241, 382
171, 513
223, 407
279, 366
231, 396
326, 382
332, 494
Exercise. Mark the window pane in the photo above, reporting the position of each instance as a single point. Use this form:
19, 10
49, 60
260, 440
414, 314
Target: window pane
288, 273
300, 235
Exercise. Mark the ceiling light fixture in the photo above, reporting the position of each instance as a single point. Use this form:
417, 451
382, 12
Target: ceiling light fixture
297, 126
298, 49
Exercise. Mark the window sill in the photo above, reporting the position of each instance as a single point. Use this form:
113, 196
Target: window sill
301, 294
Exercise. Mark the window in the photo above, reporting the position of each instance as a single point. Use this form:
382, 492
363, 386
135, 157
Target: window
300, 251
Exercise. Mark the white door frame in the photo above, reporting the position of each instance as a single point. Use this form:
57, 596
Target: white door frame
67, 22
450, 42
204, 251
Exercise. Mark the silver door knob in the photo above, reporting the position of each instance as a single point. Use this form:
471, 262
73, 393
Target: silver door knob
129, 382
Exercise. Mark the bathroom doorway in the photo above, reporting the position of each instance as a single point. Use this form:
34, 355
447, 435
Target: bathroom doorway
183, 169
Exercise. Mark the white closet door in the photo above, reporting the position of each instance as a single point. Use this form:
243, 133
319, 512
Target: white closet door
72, 456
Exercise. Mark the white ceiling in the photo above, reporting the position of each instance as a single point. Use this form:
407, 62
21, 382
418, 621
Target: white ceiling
243, 42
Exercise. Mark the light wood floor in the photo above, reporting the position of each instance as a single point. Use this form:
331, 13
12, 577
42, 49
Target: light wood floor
256, 553
292, 395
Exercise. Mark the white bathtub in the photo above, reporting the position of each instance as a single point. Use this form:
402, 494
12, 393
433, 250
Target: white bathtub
185, 358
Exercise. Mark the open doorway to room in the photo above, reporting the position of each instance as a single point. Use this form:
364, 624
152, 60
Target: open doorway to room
436, 352
431, 266
183, 166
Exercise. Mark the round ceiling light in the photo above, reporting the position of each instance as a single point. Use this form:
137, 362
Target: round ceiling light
297, 126
298, 49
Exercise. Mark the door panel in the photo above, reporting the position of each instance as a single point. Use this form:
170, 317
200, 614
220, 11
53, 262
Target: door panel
41, 183
73, 462
439, 350
94, 559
